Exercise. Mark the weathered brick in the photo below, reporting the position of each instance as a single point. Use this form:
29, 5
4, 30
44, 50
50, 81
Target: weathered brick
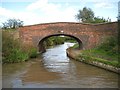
89, 34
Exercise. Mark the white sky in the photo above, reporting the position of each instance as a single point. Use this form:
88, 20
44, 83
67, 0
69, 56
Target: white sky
45, 11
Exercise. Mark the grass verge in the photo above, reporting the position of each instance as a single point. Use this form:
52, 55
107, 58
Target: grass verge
106, 53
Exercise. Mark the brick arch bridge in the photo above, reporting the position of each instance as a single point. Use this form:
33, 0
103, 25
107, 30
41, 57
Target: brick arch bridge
87, 35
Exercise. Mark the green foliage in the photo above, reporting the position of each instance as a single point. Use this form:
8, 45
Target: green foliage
86, 15
13, 52
110, 45
8, 42
89, 59
32, 52
11, 49
75, 46
107, 50
16, 55
69, 39
106, 53
100, 20
12, 24
56, 40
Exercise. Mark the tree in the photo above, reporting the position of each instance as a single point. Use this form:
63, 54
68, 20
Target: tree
12, 24
85, 15
100, 20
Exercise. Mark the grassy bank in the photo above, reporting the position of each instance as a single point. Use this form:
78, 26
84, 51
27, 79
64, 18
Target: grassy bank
106, 53
13, 51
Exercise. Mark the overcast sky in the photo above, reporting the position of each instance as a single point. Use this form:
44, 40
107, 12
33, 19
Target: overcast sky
45, 11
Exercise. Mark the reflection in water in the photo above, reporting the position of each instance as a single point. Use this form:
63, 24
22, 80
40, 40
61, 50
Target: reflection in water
56, 60
55, 70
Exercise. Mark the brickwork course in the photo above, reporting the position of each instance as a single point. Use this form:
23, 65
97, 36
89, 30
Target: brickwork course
87, 35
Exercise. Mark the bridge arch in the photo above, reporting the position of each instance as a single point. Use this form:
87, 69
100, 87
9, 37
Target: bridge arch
42, 47
90, 35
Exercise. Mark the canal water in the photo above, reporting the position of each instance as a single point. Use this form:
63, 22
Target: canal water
53, 69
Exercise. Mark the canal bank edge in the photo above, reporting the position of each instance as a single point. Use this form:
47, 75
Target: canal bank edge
76, 55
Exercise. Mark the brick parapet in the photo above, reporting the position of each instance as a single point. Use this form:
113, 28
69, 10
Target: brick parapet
89, 34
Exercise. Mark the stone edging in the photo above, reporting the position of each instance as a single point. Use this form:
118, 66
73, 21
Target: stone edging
73, 54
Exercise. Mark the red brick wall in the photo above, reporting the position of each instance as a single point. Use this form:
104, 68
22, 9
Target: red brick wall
90, 34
